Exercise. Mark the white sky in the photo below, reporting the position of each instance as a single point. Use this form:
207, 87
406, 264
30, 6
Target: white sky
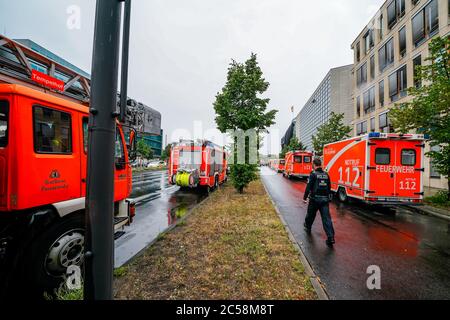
180, 49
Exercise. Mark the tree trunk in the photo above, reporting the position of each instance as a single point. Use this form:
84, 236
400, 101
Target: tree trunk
241, 190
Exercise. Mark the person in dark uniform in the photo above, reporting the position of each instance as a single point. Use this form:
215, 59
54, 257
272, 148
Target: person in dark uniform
318, 191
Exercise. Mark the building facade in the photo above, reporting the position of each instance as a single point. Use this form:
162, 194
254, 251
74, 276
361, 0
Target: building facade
332, 95
385, 55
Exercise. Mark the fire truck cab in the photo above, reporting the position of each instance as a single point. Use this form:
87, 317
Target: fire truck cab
377, 167
298, 164
195, 164
43, 169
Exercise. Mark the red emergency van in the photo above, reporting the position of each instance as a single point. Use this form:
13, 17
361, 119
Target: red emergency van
298, 164
377, 167
197, 163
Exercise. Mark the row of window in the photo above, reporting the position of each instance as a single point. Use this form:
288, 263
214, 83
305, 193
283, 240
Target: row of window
424, 23
302, 159
398, 84
383, 125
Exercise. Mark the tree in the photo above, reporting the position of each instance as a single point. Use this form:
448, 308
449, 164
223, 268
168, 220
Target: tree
143, 150
294, 145
165, 153
332, 131
429, 110
240, 107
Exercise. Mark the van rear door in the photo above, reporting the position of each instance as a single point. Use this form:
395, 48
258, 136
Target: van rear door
408, 179
381, 168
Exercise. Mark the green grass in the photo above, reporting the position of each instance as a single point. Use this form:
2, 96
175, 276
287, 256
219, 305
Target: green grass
440, 199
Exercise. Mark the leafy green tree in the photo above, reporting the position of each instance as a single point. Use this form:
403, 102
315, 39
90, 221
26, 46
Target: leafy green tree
332, 131
429, 110
165, 153
143, 150
240, 107
294, 145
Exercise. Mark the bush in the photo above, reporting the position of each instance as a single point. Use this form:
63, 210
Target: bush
439, 199
242, 174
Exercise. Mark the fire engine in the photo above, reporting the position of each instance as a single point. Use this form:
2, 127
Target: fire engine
298, 164
44, 109
277, 165
377, 167
195, 164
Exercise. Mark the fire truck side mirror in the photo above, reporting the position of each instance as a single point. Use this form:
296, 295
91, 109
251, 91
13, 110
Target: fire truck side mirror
131, 146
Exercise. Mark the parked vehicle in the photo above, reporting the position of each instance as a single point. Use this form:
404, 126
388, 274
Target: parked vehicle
277, 165
298, 164
43, 168
195, 164
377, 167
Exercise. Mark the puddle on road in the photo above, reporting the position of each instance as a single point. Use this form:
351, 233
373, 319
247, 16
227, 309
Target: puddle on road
165, 206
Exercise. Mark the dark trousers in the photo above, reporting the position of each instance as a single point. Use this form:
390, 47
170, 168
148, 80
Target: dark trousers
324, 209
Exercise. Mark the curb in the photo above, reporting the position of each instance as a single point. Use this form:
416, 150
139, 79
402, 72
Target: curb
315, 280
425, 211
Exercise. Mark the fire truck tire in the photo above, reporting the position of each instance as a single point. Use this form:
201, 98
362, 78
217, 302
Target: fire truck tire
342, 195
47, 259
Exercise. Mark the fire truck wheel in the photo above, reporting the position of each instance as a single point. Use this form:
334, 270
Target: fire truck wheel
342, 195
57, 248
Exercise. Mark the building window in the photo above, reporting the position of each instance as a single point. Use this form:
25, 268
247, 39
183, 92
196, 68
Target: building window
383, 122
358, 52
433, 168
391, 14
358, 106
368, 40
52, 131
417, 62
372, 67
398, 84
402, 41
425, 23
381, 92
361, 128
369, 100
395, 11
381, 32
361, 74
372, 124
4, 123
386, 55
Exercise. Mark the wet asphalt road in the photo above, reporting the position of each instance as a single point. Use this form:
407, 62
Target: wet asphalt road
412, 250
158, 207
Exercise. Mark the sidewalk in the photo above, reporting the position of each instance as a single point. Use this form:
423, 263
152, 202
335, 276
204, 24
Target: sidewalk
433, 211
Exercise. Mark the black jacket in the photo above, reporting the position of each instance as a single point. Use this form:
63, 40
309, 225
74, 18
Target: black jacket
311, 181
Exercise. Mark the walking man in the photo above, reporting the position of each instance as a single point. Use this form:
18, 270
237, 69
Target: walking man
319, 192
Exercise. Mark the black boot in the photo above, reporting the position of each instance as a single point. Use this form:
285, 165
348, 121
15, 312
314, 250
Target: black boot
307, 230
330, 241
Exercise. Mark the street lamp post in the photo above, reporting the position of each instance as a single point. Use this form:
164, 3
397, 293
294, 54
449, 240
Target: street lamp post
99, 252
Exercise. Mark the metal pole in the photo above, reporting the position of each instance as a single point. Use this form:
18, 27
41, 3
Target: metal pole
124, 71
99, 260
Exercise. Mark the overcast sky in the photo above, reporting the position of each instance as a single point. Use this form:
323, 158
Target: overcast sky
180, 49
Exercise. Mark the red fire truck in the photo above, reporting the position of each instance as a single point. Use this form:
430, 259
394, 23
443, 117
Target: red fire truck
377, 167
195, 164
43, 160
298, 164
